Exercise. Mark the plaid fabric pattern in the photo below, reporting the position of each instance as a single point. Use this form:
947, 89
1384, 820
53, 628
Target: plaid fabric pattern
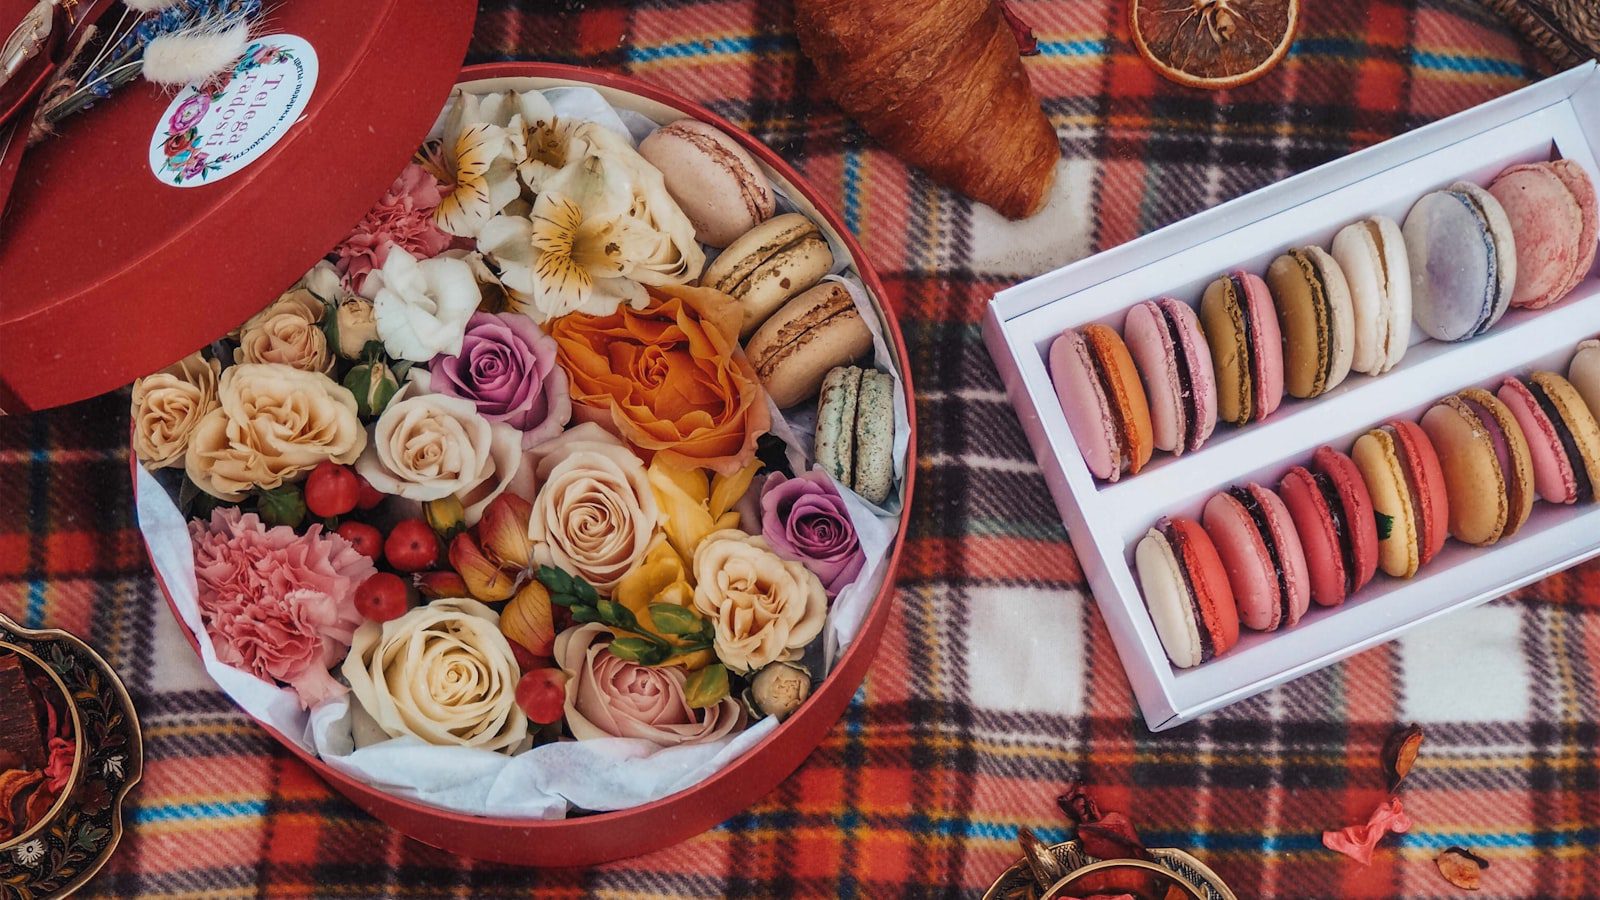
996, 681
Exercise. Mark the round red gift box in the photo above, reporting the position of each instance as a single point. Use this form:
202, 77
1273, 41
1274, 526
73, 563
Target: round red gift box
598, 837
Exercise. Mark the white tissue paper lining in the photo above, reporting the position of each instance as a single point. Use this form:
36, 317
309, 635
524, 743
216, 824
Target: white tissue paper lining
548, 781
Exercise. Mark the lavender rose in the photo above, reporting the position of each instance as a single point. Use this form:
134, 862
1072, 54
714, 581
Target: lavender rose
805, 520
507, 368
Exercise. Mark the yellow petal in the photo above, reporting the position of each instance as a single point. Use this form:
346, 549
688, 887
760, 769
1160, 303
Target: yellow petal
683, 495
727, 489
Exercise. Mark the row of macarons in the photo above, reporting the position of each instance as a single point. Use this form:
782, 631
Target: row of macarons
1464, 255
798, 325
1471, 469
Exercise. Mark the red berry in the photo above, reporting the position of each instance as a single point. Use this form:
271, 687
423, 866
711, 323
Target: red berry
367, 540
412, 546
382, 597
542, 693
331, 490
367, 497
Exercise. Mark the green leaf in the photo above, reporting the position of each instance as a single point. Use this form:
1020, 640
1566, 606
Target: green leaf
282, 506
706, 687
584, 589
633, 649
1385, 526
565, 600
611, 611
669, 618
583, 615
557, 581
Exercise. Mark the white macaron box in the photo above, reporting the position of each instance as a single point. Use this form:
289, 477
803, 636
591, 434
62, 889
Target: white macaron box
1559, 117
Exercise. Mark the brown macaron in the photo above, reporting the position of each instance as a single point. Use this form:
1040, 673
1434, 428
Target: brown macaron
1488, 470
769, 264
815, 332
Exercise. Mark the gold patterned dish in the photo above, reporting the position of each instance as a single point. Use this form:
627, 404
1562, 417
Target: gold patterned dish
62, 849
1064, 870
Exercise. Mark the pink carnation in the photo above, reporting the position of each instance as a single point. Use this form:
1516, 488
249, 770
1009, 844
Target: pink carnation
403, 218
278, 605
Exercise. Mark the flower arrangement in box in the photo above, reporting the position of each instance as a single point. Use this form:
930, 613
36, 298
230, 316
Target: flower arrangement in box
526, 498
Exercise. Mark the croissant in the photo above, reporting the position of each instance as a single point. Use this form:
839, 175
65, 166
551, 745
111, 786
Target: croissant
940, 84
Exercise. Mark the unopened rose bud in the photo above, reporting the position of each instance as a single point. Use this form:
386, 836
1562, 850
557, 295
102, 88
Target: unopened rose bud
503, 531
374, 386
434, 585
445, 516
779, 689
483, 577
356, 324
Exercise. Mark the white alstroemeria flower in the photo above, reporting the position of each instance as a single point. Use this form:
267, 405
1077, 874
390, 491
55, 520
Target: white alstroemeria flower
475, 160
610, 177
422, 307
546, 141
563, 260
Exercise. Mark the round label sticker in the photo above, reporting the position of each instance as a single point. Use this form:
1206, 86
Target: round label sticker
213, 130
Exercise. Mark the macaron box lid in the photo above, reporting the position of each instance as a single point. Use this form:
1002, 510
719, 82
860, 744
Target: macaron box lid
119, 254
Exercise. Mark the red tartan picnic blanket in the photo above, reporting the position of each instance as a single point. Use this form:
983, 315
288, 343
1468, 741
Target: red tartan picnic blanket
996, 683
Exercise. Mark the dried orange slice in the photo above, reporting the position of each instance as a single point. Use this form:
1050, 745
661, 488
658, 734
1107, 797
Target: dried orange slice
1213, 44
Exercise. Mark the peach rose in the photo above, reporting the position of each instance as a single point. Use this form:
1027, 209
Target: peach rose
765, 608
669, 379
274, 424
429, 446
595, 513
168, 405
612, 697
289, 332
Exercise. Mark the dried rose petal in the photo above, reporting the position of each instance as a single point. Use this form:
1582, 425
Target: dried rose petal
1104, 835
1358, 841
1462, 868
1400, 753
1077, 805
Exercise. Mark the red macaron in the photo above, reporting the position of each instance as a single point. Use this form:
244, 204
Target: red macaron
1187, 592
1332, 513
1261, 551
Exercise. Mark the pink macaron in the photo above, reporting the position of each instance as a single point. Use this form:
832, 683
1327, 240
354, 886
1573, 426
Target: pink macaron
1174, 362
1551, 208
1256, 538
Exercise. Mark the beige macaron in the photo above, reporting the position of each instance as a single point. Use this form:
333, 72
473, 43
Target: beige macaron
1585, 374
769, 264
794, 349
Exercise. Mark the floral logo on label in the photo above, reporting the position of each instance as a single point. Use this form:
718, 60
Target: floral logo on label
214, 129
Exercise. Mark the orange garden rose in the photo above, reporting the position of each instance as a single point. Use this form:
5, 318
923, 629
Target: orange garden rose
669, 378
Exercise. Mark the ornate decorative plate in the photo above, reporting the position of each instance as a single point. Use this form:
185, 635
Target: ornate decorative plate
74, 842
1062, 861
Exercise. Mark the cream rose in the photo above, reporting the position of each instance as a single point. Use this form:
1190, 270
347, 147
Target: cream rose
611, 697
764, 608
429, 446
595, 511
273, 424
168, 405
289, 332
442, 673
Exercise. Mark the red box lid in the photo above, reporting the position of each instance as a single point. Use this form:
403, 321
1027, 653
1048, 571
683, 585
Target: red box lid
109, 270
